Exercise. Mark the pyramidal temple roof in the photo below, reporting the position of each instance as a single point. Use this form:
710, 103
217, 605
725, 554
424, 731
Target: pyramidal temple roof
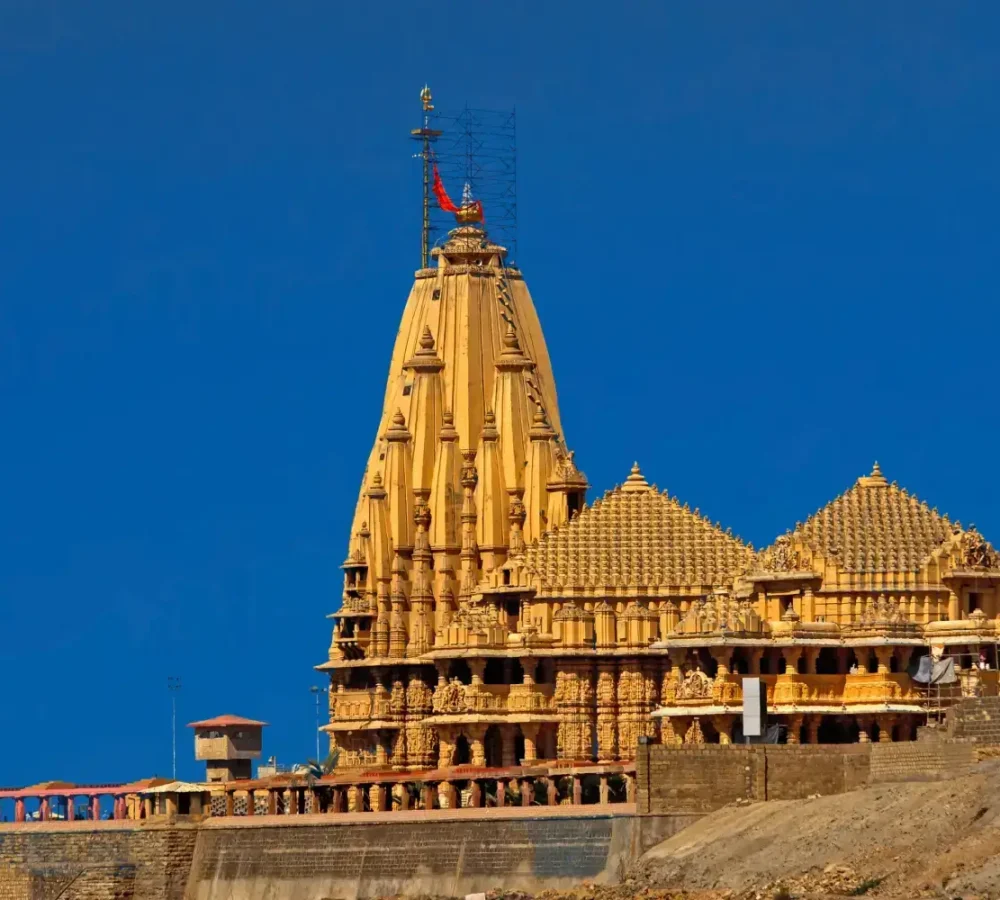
876, 526
634, 540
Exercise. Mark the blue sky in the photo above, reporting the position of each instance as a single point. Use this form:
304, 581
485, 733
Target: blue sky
761, 238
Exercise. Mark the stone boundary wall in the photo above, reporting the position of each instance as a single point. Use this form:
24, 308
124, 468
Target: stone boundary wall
39, 863
700, 779
309, 857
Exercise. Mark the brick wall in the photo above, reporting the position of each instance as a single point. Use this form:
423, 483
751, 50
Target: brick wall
921, 760
677, 780
797, 771
701, 779
976, 719
109, 863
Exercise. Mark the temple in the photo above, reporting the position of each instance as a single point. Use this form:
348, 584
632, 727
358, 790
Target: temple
490, 617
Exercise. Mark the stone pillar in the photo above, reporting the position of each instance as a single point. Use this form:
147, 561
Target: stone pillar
446, 747
381, 752
724, 725
475, 795
428, 794
754, 656
864, 728
884, 657
721, 655
45, 809
19, 814
354, 803
95, 807
812, 728
604, 797
530, 732
147, 806
794, 728
230, 803
630, 788
885, 724
508, 736
403, 796
811, 655
70, 809
478, 668
447, 795
501, 792
577, 790
791, 656
551, 792
171, 800
376, 798
251, 801
477, 752
527, 791
954, 611
293, 801
272, 802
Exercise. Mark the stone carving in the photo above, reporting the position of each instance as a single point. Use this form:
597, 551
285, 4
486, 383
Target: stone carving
883, 611
977, 552
781, 556
695, 685
450, 697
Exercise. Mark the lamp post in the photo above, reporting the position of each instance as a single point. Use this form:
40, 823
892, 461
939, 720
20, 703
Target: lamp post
173, 686
316, 692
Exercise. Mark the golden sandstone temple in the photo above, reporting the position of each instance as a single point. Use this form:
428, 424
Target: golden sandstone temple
492, 617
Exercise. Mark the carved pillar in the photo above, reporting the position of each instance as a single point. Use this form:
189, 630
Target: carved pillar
885, 724
864, 729
811, 655
954, 611
884, 657
530, 732
575, 704
508, 737
724, 725
812, 728
477, 751
791, 655
794, 728
446, 746
606, 711
721, 655
376, 798
447, 795
754, 656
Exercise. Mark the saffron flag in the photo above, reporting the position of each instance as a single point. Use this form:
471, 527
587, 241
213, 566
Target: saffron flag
444, 201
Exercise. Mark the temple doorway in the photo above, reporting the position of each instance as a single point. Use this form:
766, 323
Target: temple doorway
462, 754
493, 745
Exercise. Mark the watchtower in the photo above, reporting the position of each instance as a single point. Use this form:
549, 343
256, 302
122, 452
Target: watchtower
227, 744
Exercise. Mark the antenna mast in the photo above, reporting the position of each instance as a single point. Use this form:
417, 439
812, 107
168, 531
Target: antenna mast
426, 136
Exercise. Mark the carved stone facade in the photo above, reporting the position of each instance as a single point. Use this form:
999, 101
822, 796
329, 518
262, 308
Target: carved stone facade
490, 616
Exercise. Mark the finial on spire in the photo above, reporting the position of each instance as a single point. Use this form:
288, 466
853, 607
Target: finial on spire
427, 339
876, 479
636, 481
398, 419
426, 98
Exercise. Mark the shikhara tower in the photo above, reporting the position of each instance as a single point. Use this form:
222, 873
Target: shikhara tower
491, 617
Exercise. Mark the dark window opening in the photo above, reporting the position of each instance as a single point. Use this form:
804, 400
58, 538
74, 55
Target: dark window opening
459, 669
494, 672
786, 605
574, 503
406, 389
826, 662
975, 602
462, 754
506, 577
437, 294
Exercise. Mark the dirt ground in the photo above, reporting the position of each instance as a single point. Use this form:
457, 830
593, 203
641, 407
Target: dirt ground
929, 839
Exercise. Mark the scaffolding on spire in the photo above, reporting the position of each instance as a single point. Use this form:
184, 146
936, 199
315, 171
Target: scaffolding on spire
476, 149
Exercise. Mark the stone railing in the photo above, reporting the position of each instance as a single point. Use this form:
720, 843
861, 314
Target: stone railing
531, 698
463, 787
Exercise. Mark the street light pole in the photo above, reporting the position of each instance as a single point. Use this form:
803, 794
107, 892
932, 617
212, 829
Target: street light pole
173, 686
316, 691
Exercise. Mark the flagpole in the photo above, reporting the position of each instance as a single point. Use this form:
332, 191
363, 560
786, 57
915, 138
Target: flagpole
426, 136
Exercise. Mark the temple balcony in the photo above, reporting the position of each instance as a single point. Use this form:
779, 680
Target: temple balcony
360, 709
495, 700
